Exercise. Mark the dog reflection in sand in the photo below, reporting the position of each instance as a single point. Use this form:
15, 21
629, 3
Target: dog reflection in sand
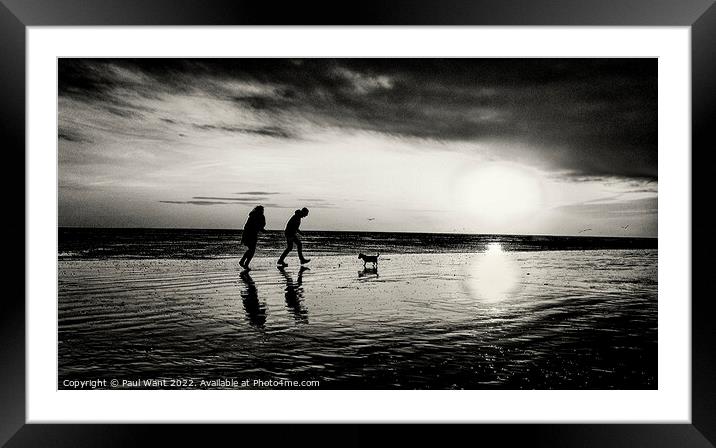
368, 272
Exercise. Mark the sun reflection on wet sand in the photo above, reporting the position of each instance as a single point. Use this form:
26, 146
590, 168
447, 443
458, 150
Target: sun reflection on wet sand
493, 275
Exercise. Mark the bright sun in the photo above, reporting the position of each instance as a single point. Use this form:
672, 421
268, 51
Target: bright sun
500, 192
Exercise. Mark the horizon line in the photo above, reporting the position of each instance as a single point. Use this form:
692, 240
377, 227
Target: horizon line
367, 231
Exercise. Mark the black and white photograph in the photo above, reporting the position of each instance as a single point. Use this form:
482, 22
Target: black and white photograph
357, 223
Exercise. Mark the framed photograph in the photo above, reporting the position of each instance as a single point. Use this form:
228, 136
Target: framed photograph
488, 222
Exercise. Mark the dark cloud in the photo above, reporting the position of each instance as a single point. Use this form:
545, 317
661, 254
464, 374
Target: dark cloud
310, 206
244, 199
267, 131
268, 205
637, 185
598, 209
317, 203
256, 199
123, 112
195, 202
271, 131
70, 135
586, 117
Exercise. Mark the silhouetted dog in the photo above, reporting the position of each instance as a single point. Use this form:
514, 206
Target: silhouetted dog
369, 259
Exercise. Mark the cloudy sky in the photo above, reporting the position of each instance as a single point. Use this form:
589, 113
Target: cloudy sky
529, 146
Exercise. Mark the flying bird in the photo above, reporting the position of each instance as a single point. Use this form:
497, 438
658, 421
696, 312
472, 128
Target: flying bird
371, 219
584, 230
625, 227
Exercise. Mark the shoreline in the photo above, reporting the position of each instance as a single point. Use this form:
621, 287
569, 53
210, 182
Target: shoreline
310, 254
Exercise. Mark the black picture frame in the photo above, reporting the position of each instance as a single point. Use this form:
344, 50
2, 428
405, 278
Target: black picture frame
16, 15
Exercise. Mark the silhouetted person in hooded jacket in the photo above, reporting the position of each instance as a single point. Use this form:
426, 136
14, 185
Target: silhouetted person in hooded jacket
250, 235
292, 238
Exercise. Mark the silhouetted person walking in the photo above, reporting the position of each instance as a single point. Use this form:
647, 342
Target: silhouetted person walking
250, 235
292, 238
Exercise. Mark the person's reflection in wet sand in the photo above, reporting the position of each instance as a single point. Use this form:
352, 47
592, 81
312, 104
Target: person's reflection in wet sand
255, 310
367, 273
294, 294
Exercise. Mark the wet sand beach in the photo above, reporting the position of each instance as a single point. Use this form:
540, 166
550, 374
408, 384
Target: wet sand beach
581, 319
